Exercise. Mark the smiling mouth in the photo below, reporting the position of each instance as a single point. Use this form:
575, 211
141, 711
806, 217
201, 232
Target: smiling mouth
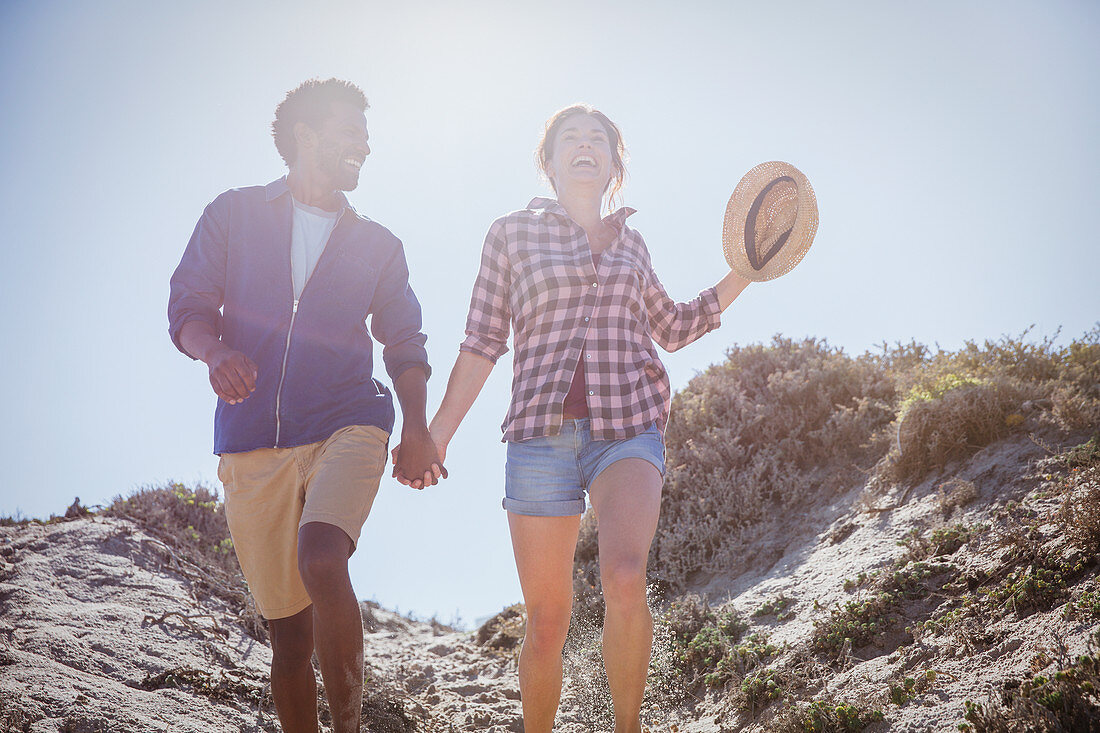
583, 161
353, 162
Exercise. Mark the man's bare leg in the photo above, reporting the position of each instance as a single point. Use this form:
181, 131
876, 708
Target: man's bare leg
323, 551
293, 685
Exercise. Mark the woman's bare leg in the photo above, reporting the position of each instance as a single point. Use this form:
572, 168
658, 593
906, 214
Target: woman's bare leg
544, 548
627, 500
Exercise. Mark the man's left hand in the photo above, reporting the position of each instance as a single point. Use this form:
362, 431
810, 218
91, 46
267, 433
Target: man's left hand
416, 461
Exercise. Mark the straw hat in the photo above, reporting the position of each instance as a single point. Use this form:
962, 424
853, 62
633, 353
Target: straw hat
771, 220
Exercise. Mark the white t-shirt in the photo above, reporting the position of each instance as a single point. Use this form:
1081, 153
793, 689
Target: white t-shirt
309, 234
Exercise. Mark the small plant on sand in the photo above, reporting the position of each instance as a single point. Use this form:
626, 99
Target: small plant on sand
1036, 587
216, 685
758, 690
1083, 455
1086, 606
860, 580
705, 645
740, 658
904, 690
854, 624
866, 620
827, 716
1067, 700
916, 580
941, 541
780, 607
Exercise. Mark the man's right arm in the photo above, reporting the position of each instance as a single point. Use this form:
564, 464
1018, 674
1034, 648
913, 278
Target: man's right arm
194, 305
232, 374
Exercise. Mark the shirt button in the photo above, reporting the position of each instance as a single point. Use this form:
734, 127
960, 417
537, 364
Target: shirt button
590, 392
586, 319
587, 356
593, 284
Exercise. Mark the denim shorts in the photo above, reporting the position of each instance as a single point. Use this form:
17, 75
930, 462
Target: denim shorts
548, 476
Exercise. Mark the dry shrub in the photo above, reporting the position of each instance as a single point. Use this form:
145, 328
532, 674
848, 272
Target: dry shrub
219, 684
188, 520
776, 427
953, 425
827, 715
1079, 364
385, 711
1012, 357
1079, 515
1076, 396
191, 523
1075, 368
503, 633
1074, 409
757, 436
1067, 700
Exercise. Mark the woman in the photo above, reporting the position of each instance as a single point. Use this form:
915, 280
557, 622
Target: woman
590, 400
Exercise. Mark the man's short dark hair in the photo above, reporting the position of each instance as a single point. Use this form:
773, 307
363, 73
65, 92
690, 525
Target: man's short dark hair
311, 102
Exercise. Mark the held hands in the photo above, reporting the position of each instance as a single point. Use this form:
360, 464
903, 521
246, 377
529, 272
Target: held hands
232, 375
418, 460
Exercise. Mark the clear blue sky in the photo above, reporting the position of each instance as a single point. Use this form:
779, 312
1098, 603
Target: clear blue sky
953, 148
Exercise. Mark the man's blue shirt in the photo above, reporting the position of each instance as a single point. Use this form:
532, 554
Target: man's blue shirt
314, 357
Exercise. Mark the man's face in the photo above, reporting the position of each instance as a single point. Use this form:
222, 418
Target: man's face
342, 147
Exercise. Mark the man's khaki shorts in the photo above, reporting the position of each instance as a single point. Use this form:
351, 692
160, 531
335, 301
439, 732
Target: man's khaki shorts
271, 492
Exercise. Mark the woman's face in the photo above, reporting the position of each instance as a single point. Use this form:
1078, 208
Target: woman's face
581, 155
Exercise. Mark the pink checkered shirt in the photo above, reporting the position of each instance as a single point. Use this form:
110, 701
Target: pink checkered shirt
537, 276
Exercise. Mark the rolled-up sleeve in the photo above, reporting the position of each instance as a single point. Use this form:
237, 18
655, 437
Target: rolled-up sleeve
198, 283
487, 324
675, 325
396, 320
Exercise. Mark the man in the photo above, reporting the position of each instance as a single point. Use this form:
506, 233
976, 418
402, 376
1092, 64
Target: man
272, 293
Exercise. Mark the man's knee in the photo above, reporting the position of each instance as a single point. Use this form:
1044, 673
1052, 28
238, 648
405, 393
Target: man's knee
323, 552
322, 570
292, 639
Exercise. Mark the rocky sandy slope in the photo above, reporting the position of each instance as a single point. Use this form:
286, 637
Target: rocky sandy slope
105, 628
924, 658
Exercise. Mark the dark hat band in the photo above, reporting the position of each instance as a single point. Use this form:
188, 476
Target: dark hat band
755, 260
